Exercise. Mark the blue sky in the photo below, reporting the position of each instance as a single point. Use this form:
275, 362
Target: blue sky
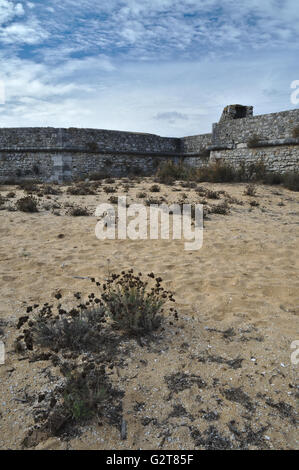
161, 66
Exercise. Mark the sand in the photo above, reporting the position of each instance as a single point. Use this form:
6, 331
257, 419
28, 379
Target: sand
243, 281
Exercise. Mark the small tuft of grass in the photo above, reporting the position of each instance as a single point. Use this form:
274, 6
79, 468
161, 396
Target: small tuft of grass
141, 195
254, 203
84, 393
250, 190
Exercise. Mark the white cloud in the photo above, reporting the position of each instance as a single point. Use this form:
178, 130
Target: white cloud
9, 10
23, 33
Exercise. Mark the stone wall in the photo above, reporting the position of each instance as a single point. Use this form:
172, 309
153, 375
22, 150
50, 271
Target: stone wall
41, 138
277, 159
64, 154
62, 167
266, 126
196, 144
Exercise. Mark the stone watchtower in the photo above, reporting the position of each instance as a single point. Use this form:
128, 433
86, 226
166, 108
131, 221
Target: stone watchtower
236, 111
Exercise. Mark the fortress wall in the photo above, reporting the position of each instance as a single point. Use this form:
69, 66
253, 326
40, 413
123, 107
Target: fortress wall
116, 165
266, 126
196, 143
119, 141
85, 139
66, 166
26, 165
277, 159
61, 155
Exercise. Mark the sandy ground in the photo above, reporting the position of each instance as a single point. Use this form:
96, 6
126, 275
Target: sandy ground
197, 386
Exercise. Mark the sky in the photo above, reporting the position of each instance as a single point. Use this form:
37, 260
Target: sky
160, 66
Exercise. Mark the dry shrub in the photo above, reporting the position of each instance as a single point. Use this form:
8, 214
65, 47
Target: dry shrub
79, 333
27, 204
250, 190
221, 208
218, 172
29, 186
169, 171
155, 188
97, 176
77, 211
210, 194
113, 199
109, 189
48, 189
254, 203
141, 195
291, 181
81, 189
133, 304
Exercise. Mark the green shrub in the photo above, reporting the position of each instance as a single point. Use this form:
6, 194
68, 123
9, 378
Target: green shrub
133, 304
27, 204
83, 393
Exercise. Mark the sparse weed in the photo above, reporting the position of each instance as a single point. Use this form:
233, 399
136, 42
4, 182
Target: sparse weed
27, 204
250, 190
77, 211
133, 304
